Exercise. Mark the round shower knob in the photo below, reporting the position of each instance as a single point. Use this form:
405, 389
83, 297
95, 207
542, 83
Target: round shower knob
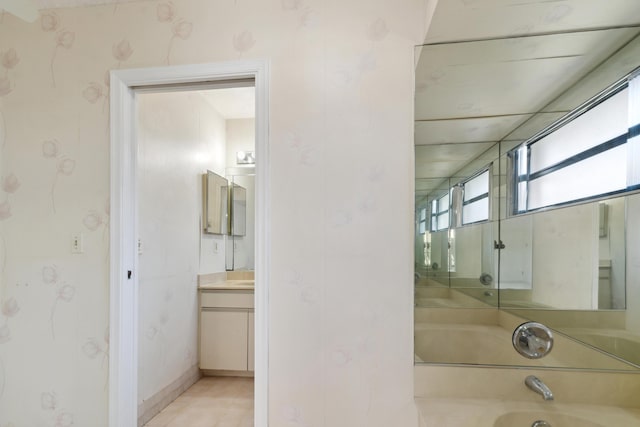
533, 340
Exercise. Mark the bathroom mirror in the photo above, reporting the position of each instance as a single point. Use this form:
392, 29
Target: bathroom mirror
569, 267
456, 225
215, 204
241, 238
432, 223
238, 197
473, 230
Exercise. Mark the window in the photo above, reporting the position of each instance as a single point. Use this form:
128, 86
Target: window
440, 213
592, 152
475, 200
422, 221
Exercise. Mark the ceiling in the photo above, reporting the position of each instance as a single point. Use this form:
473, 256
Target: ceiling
52, 4
232, 103
488, 69
456, 20
28, 10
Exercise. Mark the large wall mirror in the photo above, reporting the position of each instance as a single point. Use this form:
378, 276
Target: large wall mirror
503, 231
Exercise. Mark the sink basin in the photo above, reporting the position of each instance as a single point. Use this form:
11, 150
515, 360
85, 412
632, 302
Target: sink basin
526, 419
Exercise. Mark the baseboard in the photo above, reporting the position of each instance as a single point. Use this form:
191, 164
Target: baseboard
223, 373
156, 403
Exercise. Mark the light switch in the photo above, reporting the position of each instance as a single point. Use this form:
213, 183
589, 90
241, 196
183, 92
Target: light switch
77, 244
139, 246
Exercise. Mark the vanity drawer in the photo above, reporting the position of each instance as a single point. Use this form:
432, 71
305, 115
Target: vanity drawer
226, 298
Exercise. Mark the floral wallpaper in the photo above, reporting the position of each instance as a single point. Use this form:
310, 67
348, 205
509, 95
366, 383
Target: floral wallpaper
341, 150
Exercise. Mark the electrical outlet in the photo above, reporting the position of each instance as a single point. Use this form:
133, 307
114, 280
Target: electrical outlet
77, 244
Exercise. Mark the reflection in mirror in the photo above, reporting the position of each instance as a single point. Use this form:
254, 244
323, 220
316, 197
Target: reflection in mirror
568, 258
569, 267
238, 197
473, 234
516, 257
615, 330
475, 265
571, 258
241, 238
432, 237
215, 190
454, 224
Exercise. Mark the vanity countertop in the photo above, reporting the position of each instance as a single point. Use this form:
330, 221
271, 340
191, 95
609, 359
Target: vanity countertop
229, 285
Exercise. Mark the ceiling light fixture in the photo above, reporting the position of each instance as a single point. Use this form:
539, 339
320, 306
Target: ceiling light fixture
245, 158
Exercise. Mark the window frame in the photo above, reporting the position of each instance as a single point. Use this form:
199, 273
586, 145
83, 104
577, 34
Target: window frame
514, 155
423, 218
487, 195
434, 215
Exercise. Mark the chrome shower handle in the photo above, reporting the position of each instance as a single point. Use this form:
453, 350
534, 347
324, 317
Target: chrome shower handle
532, 340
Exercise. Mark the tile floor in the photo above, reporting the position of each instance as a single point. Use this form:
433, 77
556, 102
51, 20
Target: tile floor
211, 402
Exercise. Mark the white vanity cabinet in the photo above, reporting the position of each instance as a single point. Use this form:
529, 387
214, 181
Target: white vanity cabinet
250, 341
226, 330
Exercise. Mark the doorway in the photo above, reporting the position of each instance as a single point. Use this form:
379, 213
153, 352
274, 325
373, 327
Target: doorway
124, 303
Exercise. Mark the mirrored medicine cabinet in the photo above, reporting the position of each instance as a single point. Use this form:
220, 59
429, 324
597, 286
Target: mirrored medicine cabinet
228, 210
215, 203
225, 205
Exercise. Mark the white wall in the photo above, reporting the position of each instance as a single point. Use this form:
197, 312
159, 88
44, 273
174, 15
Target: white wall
516, 258
468, 247
341, 89
241, 137
179, 137
474, 253
559, 234
440, 252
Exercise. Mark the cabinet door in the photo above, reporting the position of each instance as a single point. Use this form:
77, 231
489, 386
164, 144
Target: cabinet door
250, 342
223, 339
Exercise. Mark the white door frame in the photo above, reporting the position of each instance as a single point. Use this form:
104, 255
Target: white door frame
123, 309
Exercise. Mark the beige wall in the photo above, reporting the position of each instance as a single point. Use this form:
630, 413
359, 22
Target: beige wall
341, 152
